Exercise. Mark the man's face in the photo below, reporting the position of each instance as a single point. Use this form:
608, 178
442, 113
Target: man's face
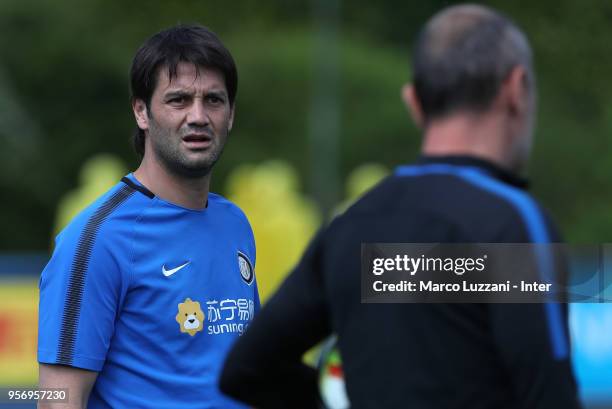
189, 119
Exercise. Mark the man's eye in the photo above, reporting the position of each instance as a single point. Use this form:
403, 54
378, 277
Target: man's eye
214, 100
177, 100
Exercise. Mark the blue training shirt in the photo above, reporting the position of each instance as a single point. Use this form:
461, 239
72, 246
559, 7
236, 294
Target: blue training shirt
151, 295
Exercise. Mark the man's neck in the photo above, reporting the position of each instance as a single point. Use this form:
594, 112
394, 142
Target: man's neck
191, 193
468, 135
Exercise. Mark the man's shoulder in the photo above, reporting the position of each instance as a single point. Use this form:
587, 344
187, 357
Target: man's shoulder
473, 207
110, 213
437, 193
227, 207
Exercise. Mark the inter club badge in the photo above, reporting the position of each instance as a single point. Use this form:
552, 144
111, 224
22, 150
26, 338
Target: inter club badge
246, 268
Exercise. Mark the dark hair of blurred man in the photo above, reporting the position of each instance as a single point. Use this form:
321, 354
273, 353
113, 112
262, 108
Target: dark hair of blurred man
122, 300
474, 96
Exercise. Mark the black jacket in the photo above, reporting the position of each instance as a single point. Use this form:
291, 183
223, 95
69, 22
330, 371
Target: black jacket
412, 355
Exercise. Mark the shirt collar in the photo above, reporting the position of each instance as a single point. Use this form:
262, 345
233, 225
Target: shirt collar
488, 166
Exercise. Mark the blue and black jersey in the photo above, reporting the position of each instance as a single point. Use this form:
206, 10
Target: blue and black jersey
486, 356
151, 295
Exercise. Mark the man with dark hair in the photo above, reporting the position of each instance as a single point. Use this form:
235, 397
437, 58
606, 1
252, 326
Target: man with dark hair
474, 96
150, 285
167, 50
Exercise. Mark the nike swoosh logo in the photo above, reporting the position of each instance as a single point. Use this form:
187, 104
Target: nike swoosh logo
168, 273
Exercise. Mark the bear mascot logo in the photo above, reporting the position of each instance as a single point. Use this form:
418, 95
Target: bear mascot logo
190, 317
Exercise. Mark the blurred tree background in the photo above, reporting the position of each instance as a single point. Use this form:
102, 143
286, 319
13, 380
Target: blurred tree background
64, 96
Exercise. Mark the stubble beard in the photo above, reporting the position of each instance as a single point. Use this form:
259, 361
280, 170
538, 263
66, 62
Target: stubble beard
167, 148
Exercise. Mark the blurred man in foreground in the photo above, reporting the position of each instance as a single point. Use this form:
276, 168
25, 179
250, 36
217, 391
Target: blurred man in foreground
474, 95
149, 286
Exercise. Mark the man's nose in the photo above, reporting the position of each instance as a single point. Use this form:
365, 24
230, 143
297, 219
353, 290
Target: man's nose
198, 115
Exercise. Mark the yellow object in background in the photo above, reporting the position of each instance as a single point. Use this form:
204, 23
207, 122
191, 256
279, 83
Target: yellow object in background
360, 180
18, 332
283, 219
98, 175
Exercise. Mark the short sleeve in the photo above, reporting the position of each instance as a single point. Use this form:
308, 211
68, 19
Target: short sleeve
81, 290
252, 253
255, 286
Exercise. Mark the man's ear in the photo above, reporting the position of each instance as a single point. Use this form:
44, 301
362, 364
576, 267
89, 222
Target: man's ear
413, 105
515, 90
231, 117
140, 113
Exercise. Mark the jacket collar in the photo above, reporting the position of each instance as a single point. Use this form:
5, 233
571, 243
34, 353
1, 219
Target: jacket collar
472, 161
